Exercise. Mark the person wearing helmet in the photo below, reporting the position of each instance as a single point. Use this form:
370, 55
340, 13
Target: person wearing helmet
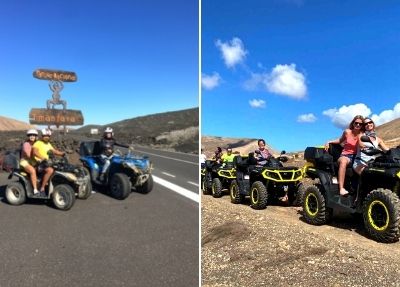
27, 161
40, 153
107, 144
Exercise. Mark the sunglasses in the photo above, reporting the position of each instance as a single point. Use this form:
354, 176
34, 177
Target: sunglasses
358, 123
367, 123
32, 135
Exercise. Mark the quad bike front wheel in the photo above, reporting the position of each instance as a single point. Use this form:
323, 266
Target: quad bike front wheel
381, 214
147, 186
258, 195
234, 192
120, 186
63, 196
84, 194
15, 193
315, 210
216, 188
205, 184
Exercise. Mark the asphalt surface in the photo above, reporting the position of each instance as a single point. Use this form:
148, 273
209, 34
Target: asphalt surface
145, 240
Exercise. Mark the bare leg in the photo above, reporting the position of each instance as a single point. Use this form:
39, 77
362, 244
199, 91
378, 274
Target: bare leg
46, 177
32, 172
343, 161
359, 169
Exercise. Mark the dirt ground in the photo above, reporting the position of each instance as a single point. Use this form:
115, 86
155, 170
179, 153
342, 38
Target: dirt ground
274, 247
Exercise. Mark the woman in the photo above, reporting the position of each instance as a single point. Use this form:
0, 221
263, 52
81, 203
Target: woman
27, 161
362, 159
349, 139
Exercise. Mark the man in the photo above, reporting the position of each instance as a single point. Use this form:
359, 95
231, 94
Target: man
40, 151
228, 156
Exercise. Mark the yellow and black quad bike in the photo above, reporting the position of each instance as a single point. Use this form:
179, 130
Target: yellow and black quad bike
266, 184
217, 177
67, 182
374, 194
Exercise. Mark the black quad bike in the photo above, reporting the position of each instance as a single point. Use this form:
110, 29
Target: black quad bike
266, 183
66, 182
217, 177
374, 194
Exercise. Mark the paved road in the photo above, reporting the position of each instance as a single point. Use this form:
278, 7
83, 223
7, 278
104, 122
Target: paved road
145, 240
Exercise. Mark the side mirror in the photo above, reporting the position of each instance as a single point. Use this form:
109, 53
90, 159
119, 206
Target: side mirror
283, 152
257, 152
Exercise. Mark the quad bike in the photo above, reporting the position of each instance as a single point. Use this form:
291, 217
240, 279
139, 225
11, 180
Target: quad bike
217, 177
265, 183
124, 173
374, 194
67, 181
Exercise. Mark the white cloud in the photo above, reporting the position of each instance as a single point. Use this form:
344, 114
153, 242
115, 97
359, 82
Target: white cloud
254, 82
282, 80
344, 115
257, 103
210, 82
233, 52
285, 80
306, 118
387, 115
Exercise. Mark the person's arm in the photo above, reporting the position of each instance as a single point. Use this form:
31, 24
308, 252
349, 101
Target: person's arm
336, 141
25, 151
58, 152
121, 144
382, 144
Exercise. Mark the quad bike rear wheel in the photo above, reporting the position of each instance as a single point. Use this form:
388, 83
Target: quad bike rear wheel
315, 210
381, 214
63, 196
234, 192
15, 193
120, 186
297, 195
216, 188
258, 195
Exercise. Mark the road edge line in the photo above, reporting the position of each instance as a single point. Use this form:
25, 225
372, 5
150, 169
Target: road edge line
176, 188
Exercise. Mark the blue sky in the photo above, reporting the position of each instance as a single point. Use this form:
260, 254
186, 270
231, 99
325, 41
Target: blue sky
132, 58
295, 72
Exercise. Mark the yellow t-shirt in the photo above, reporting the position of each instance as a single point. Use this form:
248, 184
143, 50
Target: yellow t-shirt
228, 158
42, 148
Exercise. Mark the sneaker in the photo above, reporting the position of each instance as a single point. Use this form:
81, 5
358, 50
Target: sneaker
36, 192
101, 177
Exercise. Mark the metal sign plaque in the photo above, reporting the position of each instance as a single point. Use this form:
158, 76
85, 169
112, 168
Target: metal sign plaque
55, 75
55, 117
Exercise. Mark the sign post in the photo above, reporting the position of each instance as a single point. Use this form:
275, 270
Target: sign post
51, 115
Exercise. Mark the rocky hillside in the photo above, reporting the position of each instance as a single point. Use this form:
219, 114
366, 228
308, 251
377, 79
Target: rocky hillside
241, 145
177, 130
7, 124
390, 132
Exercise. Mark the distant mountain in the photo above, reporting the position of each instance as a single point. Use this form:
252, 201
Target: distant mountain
241, 145
390, 132
178, 130
7, 124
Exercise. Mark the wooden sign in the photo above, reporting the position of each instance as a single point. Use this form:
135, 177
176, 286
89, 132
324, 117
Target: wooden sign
55, 75
55, 117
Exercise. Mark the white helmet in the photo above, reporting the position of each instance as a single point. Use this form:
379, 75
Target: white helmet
46, 132
109, 130
32, 132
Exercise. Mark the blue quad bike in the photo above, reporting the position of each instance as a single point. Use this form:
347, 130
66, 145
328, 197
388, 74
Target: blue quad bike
126, 172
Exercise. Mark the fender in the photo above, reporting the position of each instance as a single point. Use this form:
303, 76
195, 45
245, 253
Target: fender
323, 176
